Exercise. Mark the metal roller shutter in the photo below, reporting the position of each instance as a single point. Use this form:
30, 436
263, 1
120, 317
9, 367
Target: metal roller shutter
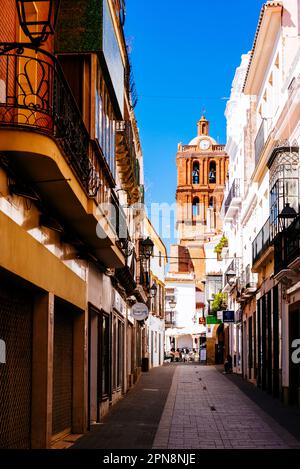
15, 375
63, 370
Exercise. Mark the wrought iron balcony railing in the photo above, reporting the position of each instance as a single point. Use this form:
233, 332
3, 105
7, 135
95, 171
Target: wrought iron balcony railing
124, 129
35, 95
287, 246
261, 242
235, 192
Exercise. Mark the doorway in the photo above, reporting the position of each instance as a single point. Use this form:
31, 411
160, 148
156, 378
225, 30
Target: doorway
99, 370
294, 333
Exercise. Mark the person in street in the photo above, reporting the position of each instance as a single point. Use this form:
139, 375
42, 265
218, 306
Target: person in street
172, 353
228, 364
177, 355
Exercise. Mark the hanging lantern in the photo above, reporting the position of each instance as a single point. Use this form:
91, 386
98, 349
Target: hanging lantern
287, 215
37, 19
147, 247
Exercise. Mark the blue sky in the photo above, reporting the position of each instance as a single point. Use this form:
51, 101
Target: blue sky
184, 55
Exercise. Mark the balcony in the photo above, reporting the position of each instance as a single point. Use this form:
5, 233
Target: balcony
195, 148
44, 143
251, 282
287, 253
233, 200
35, 95
262, 138
261, 246
170, 319
127, 161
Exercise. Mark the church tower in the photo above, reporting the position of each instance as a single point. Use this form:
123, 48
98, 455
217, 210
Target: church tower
201, 174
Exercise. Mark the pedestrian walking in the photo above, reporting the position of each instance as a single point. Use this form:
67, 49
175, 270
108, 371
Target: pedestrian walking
177, 355
228, 364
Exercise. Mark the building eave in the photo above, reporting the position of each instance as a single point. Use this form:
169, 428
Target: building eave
268, 25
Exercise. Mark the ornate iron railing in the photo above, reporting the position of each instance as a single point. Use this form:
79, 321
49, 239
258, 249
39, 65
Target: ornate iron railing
124, 127
261, 242
287, 246
34, 94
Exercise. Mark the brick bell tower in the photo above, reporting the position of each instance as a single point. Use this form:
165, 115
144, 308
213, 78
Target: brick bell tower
201, 174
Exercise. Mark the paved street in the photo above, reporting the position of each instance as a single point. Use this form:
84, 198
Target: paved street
133, 421
206, 410
201, 409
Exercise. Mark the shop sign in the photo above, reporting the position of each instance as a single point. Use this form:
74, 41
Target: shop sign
130, 317
212, 320
220, 315
118, 303
139, 311
228, 316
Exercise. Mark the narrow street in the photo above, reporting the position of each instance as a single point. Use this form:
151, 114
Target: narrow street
187, 406
150, 230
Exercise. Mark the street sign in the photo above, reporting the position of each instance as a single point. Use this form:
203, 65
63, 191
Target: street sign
220, 315
139, 311
228, 316
212, 320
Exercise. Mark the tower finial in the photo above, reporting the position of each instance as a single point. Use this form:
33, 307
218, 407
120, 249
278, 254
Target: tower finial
203, 126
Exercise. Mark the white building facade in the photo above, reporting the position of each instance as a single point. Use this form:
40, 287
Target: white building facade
262, 218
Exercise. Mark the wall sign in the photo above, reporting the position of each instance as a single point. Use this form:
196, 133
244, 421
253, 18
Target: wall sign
118, 303
220, 315
139, 311
228, 316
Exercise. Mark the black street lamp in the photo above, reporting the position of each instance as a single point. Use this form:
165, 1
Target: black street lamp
153, 290
40, 27
147, 247
37, 27
288, 213
172, 304
229, 275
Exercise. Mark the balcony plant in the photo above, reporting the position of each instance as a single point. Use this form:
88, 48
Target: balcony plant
223, 243
219, 303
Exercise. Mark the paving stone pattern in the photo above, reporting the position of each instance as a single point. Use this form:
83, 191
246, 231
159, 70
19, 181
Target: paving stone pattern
205, 410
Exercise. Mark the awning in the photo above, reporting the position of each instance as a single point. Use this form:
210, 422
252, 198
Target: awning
194, 330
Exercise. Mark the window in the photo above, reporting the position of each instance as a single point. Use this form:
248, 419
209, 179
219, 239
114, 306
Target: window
159, 259
284, 185
120, 353
212, 172
104, 353
195, 172
196, 207
212, 212
105, 131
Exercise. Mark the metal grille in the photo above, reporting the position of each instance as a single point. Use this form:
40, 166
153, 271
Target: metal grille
15, 374
63, 370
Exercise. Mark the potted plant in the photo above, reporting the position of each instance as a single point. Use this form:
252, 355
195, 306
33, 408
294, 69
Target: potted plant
219, 303
223, 243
